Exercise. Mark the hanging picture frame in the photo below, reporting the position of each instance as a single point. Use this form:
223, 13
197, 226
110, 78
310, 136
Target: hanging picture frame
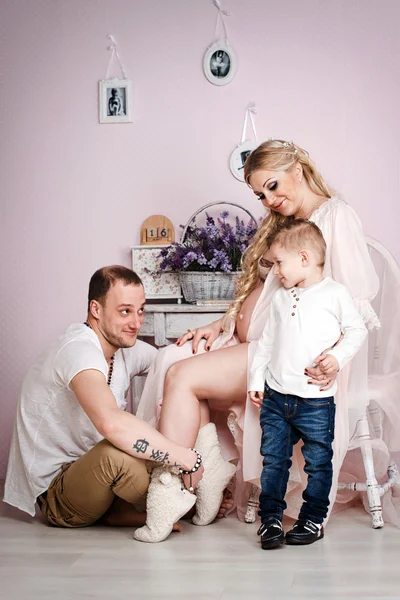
238, 158
220, 63
115, 101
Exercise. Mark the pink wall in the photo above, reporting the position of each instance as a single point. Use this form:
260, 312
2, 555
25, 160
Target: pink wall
74, 193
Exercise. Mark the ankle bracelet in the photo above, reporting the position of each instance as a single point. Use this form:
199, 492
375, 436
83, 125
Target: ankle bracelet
196, 467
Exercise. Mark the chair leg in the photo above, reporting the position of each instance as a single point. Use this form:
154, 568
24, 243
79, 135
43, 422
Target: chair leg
373, 488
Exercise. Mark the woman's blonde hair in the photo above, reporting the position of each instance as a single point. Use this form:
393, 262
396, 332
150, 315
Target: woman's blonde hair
273, 155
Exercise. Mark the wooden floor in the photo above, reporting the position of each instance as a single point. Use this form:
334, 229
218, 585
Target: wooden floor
223, 561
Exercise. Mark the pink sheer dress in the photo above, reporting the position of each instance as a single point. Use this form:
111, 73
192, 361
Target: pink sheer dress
348, 262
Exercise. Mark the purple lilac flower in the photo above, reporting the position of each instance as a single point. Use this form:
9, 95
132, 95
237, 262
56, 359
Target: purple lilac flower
201, 259
218, 245
209, 220
189, 258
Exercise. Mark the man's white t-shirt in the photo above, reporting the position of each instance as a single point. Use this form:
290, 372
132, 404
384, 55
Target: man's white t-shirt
51, 427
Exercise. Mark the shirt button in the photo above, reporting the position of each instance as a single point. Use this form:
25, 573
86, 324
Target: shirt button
294, 305
297, 299
293, 314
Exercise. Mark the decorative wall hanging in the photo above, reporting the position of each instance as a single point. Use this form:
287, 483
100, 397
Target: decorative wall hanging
246, 146
115, 95
219, 61
157, 229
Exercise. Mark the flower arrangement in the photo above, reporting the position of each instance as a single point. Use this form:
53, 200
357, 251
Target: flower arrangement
217, 246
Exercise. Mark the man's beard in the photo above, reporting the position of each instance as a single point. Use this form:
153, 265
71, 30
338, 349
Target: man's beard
116, 340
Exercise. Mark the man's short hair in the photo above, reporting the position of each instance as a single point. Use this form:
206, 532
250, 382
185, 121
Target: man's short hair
298, 234
106, 277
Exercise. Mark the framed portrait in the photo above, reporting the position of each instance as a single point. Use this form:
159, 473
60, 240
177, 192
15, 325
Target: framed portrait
239, 156
115, 101
220, 63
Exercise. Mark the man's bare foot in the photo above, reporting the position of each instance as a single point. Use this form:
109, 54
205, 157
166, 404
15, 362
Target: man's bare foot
177, 527
123, 514
226, 504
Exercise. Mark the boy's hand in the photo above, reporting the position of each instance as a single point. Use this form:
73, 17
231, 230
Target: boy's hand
327, 363
256, 398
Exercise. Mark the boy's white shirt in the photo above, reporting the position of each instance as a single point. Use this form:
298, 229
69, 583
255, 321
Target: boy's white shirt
300, 326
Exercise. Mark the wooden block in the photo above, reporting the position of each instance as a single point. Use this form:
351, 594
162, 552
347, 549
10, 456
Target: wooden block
157, 229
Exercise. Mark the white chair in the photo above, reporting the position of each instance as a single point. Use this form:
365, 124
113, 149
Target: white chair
383, 361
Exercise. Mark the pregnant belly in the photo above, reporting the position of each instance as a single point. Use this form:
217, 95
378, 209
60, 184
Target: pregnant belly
244, 317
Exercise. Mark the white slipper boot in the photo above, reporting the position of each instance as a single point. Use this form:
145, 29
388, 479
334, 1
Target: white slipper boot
217, 474
166, 503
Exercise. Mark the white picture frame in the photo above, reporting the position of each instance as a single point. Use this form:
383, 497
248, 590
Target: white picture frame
157, 286
220, 63
115, 101
238, 158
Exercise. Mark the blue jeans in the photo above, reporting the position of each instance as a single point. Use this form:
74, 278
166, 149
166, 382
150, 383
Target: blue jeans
286, 419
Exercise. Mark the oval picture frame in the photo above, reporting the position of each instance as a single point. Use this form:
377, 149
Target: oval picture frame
238, 158
220, 63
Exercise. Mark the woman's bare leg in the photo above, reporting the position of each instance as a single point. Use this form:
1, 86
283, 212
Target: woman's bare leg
219, 377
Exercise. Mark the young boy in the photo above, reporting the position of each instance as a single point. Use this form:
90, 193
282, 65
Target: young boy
308, 314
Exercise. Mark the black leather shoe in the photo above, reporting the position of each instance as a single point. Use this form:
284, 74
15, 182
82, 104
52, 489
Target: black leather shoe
271, 533
304, 532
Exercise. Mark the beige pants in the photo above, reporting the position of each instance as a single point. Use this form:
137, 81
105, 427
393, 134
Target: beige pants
86, 488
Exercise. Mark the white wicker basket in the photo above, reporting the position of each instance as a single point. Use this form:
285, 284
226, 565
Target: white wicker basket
216, 285
208, 285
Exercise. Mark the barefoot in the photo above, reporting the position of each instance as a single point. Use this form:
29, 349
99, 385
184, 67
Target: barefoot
122, 514
177, 527
226, 504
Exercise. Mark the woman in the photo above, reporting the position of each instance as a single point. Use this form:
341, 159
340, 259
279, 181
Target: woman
286, 181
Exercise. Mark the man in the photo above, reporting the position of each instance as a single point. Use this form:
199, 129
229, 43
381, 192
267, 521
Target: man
74, 449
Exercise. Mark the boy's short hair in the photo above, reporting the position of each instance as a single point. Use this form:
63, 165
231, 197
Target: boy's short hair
103, 279
297, 234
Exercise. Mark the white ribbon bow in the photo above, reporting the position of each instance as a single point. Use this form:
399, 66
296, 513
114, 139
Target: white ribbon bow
220, 15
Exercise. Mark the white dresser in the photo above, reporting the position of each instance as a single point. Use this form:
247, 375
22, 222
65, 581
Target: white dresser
166, 322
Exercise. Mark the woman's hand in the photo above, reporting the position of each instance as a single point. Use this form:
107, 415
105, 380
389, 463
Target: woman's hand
318, 377
324, 374
208, 332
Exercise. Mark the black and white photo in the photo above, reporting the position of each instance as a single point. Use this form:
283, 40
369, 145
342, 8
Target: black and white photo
116, 102
219, 63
